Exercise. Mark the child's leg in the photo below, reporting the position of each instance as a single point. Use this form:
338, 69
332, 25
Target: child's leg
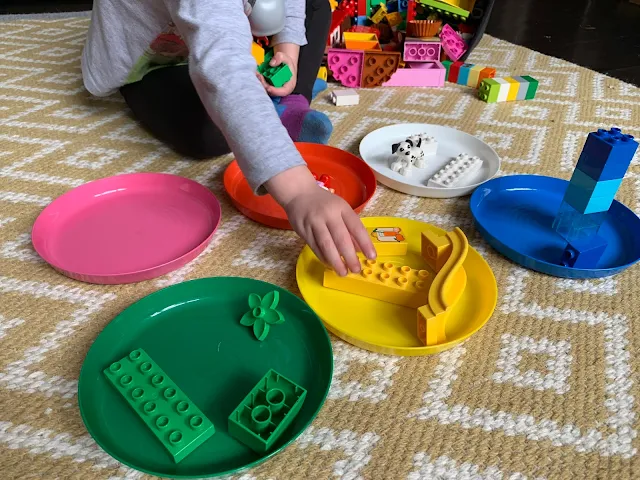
317, 25
302, 123
166, 103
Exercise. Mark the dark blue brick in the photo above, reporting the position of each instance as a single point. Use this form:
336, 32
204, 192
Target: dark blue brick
606, 155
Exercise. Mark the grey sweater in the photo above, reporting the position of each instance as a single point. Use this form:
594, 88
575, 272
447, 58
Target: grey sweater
127, 39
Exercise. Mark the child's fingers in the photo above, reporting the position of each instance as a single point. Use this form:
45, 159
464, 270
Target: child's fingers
359, 233
327, 248
342, 240
277, 59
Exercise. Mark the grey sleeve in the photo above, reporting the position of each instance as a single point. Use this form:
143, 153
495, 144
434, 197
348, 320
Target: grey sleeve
294, 29
223, 72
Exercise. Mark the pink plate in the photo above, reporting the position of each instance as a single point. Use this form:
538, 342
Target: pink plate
126, 228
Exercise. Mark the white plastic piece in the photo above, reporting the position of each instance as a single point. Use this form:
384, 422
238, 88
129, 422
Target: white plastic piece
428, 144
343, 98
402, 165
454, 173
503, 93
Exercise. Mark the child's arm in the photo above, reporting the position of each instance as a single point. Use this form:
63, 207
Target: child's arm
223, 72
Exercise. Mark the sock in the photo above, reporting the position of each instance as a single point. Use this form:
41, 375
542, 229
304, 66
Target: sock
303, 123
319, 86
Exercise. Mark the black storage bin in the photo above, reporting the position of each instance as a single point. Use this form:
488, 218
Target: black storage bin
479, 18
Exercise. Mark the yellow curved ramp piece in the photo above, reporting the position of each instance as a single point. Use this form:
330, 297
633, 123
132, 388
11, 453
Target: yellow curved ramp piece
447, 286
258, 53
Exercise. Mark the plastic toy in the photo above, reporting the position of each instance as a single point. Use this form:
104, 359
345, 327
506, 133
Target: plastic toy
379, 67
423, 28
322, 73
411, 11
262, 314
388, 241
584, 252
384, 281
379, 15
324, 181
452, 43
411, 153
179, 425
266, 412
361, 41
276, 76
604, 160
394, 19
266, 17
464, 4
476, 74
258, 53
418, 75
445, 10
507, 89
346, 66
420, 51
456, 171
341, 98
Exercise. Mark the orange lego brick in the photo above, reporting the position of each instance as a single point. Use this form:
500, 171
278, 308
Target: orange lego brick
388, 241
378, 67
384, 281
361, 41
487, 72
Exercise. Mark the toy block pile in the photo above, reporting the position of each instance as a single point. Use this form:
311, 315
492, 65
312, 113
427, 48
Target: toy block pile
604, 160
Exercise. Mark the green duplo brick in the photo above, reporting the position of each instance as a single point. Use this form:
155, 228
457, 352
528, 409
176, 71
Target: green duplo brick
276, 76
179, 425
447, 66
266, 412
489, 90
533, 87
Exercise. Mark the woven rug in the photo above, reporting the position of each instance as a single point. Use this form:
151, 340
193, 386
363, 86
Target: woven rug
547, 389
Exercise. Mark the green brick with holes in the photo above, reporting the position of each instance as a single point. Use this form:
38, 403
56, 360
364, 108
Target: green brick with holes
266, 412
179, 425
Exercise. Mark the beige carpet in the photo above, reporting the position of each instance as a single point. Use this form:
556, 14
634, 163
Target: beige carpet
548, 389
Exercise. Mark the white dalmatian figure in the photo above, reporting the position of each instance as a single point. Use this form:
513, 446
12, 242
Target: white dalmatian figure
407, 154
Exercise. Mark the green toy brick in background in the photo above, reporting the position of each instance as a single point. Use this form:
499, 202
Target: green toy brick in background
266, 412
276, 76
174, 420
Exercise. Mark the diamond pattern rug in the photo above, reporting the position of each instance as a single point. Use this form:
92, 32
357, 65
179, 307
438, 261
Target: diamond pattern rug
547, 389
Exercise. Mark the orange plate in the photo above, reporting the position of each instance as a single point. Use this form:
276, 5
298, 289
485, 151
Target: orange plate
352, 179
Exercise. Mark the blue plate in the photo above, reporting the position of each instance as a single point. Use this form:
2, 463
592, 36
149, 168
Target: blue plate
514, 214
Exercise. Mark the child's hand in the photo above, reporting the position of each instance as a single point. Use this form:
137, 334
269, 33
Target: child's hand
324, 220
286, 53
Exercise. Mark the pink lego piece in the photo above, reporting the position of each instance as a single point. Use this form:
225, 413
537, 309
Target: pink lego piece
452, 43
418, 74
346, 66
418, 51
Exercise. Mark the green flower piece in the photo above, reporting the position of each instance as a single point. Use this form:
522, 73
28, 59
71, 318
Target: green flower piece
262, 314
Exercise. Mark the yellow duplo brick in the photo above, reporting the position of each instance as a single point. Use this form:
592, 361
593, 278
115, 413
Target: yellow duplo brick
474, 74
513, 88
384, 281
435, 249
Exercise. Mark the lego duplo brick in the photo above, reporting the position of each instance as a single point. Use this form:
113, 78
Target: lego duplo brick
456, 172
452, 43
174, 419
445, 10
606, 155
378, 67
587, 195
420, 51
346, 66
463, 74
276, 76
384, 281
418, 75
361, 41
507, 89
584, 253
572, 225
266, 412
411, 11
388, 241
464, 4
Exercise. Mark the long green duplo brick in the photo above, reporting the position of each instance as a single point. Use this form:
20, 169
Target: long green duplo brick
179, 425
266, 412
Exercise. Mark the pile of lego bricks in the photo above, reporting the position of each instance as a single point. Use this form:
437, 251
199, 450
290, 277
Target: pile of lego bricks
414, 43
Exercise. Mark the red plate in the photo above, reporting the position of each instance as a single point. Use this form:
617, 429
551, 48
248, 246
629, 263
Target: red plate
351, 178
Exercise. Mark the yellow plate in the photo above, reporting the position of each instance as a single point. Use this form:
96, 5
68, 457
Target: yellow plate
391, 329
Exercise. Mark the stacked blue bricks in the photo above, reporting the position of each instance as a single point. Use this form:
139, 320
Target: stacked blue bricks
604, 160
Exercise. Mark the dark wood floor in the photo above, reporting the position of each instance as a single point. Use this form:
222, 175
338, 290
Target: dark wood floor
603, 35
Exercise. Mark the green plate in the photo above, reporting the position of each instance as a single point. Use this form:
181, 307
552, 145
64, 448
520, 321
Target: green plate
192, 331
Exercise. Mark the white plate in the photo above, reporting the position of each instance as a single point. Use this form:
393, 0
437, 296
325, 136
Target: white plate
375, 149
